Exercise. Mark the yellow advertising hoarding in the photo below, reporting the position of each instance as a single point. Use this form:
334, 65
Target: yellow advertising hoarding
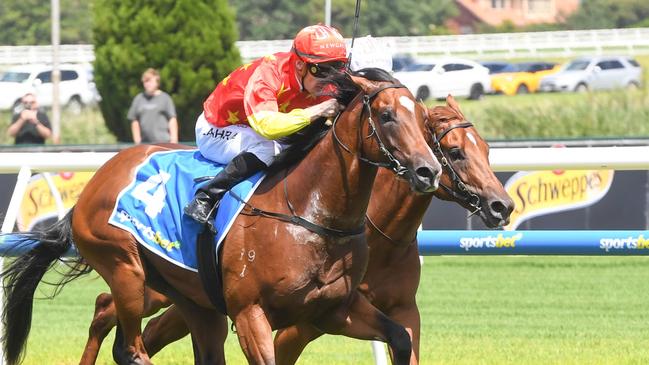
39, 204
538, 193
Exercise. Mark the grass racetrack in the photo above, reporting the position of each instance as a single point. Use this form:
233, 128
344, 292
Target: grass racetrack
475, 310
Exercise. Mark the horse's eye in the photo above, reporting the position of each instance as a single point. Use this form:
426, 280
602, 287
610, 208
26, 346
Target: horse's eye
386, 116
456, 154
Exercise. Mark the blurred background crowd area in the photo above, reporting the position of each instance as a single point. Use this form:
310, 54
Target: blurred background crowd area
527, 68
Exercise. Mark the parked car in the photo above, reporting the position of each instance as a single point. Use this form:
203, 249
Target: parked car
496, 67
76, 89
524, 78
437, 79
595, 73
399, 62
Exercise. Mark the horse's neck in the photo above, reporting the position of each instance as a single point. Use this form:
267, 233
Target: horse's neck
395, 209
335, 186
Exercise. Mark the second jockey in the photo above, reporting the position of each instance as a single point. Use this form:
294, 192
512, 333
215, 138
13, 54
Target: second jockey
261, 101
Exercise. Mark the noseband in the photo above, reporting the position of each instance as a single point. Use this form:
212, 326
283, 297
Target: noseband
460, 192
393, 163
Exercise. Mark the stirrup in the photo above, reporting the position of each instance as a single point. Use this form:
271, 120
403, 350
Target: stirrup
210, 223
211, 226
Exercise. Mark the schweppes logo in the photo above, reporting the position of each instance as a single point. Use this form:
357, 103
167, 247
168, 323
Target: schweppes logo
544, 192
39, 203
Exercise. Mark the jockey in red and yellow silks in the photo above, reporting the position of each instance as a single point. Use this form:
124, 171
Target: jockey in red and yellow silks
264, 94
269, 98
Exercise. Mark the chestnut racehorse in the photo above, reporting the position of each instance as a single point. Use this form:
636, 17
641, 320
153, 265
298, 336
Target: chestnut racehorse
298, 276
394, 215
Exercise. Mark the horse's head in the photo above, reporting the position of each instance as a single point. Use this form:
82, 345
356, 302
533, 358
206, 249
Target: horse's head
395, 129
467, 177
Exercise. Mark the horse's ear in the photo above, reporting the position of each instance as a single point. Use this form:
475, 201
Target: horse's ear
450, 101
364, 84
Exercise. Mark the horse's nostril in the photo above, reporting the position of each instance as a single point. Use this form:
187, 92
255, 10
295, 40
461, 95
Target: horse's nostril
426, 173
497, 206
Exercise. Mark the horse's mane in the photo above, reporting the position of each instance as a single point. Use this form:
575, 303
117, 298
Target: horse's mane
344, 90
299, 145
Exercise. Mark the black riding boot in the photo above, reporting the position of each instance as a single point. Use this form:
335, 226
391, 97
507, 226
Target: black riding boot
208, 196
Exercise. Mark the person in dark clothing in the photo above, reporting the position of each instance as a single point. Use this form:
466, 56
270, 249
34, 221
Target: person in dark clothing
153, 113
29, 125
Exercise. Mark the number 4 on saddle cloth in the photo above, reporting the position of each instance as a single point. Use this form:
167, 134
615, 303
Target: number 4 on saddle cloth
151, 206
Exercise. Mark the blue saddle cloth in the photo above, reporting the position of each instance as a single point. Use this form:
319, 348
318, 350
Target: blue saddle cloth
151, 206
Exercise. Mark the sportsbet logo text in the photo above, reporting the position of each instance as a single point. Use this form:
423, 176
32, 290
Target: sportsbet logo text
632, 243
147, 232
499, 241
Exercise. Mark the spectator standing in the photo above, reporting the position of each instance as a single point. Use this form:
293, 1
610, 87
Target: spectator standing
29, 125
152, 113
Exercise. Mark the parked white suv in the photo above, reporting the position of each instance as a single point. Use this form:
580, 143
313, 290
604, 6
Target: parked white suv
438, 78
77, 87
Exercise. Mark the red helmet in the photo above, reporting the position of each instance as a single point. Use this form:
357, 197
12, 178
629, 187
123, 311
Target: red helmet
320, 43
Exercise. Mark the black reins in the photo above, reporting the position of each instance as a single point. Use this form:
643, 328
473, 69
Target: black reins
293, 218
393, 163
461, 192
464, 195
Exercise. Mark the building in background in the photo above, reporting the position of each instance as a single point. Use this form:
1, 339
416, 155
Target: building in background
518, 12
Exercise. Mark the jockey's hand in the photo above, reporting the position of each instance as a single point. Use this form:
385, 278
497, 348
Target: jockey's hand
326, 109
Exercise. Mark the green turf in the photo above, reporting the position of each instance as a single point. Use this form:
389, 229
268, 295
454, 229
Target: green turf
475, 310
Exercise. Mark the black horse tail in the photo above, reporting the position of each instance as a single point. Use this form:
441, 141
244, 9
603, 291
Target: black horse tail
21, 277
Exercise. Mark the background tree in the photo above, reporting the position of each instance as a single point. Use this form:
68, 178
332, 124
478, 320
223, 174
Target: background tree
601, 14
273, 19
191, 43
29, 22
389, 18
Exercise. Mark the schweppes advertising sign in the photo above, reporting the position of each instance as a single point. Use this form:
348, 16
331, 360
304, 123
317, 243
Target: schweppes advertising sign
543, 192
39, 203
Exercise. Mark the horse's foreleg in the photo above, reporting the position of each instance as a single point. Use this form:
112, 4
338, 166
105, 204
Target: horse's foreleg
291, 341
255, 335
408, 316
103, 321
360, 319
164, 329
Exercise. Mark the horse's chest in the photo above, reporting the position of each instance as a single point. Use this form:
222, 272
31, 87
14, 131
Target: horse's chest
325, 281
338, 273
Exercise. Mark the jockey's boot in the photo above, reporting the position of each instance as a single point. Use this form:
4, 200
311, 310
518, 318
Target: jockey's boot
207, 197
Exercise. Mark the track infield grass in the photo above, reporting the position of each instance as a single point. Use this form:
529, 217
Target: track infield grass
475, 310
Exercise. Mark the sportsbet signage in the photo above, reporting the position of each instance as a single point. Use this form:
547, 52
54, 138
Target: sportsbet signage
544, 192
39, 204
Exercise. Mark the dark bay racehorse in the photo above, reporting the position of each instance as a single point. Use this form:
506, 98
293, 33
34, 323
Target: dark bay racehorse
394, 215
288, 274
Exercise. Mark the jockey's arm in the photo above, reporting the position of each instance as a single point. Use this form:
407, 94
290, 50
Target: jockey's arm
275, 124
260, 99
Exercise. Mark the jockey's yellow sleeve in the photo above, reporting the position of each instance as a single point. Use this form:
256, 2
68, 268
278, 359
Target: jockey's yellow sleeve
273, 125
